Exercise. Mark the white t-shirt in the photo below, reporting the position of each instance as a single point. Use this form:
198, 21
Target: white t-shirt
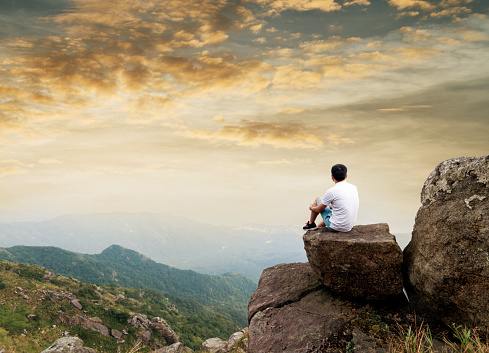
344, 199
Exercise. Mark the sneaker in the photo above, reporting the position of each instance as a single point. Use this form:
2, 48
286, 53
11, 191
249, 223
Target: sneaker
310, 225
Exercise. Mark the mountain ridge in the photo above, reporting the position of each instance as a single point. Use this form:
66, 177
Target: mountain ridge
129, 268
176, 241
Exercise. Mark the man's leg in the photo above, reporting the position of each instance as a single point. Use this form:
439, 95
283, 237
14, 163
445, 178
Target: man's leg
311, 223
314, 215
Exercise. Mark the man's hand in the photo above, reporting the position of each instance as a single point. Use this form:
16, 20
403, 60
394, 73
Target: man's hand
318, 209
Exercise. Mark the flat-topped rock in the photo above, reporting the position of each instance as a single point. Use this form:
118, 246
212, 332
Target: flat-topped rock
365, 262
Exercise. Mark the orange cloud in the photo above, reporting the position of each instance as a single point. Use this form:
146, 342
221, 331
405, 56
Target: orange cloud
291, 77
420, 4
356, 2
301, 5
256, 134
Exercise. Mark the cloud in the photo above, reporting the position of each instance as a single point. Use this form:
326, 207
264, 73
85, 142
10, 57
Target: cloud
49, 161
276, 162
301, 5
293, 111
291, 77
256, 134
256, 28
356, 2
451, 11
438, 9
474, 36
12, 166
420, 4
403, 108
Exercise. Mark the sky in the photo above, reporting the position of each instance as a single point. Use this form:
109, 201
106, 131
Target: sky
233, 112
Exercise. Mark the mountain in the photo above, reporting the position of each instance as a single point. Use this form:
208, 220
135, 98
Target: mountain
37, 307
175, 241
124, 267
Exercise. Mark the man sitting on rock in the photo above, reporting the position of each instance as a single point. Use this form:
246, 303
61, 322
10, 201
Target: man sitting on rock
338, 206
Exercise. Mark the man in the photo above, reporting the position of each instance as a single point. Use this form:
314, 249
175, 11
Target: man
339, 205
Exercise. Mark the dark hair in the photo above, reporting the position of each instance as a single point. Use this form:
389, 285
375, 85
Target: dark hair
339, 172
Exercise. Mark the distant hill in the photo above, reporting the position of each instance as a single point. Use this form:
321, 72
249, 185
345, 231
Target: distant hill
167, 239
36, 308
229, 293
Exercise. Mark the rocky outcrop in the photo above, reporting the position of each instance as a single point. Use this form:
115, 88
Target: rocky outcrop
447, 261
365, 262
291, 311
213, 345
68, 345
90, 323
237, 343
156, 324
174, 348
164, 330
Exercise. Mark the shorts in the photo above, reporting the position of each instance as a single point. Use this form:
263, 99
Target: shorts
326, 214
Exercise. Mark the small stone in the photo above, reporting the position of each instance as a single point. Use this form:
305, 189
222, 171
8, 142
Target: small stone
76, 304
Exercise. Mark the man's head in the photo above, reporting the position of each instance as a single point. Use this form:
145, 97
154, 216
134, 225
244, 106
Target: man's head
338, 171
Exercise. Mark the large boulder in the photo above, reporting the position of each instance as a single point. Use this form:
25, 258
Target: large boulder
365, 262
291, 312
447, 260
68, 345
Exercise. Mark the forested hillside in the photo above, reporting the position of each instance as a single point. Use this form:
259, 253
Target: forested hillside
37, 307
228, 294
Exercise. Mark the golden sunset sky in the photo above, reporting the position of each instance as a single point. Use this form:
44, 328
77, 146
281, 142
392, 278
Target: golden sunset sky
233, 112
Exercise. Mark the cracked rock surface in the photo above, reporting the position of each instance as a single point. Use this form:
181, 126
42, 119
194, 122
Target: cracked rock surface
291, 311
365, 262
447, 261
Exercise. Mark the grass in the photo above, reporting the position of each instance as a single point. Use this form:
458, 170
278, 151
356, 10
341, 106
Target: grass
419, 339
411, 335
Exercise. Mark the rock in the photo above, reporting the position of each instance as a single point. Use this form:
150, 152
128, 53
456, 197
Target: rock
235, 339
76, 304
174, 348
115, 333
94, 324
291, 310
365, 262
275, 288
145, 337
49, 275
139, 320
164, 330
68, 345
100, 328
213, 345
447, 261
363, 343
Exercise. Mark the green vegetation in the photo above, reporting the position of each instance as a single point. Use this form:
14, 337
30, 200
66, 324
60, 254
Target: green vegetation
35, 311
228, 294
418, 337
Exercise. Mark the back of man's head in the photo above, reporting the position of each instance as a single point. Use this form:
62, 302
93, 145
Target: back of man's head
338, 171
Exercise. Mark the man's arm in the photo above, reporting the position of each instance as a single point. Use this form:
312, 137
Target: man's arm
317, 209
